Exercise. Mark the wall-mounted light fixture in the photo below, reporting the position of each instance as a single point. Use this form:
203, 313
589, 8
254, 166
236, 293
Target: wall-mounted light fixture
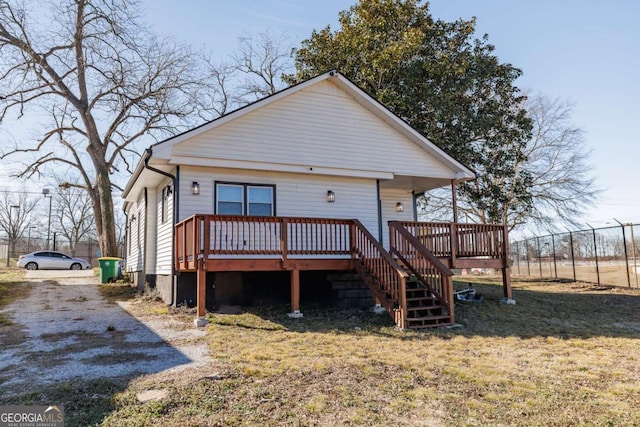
195, 188
133, 217
331, 196
399, 207
168, 190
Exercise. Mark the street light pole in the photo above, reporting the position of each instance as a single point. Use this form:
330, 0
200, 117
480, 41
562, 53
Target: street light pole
10, 236
45, 193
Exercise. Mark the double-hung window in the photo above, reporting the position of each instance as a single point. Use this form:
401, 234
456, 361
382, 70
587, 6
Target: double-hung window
245, 199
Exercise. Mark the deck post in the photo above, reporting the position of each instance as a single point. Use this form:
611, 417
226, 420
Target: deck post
506, 270
506, 283
176, 247
401, 313
447, 283
295, 294
195, 244
284, 242
201, 293
454, 200
453, 235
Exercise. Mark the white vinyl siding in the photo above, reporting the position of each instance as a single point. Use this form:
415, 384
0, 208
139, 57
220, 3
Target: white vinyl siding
389, 198
303, 143
135, 244
151, 239
164, 234
316, 127
297, 195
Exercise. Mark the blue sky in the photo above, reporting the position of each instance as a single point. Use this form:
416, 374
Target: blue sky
582, 51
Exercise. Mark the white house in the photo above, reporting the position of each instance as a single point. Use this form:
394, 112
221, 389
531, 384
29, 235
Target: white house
276, 185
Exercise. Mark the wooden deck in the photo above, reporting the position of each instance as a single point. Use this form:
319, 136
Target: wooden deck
420, 257
462, 245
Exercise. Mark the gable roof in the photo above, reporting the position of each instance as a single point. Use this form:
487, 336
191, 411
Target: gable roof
163, 149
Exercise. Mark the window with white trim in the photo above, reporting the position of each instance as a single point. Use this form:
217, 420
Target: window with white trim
245, 199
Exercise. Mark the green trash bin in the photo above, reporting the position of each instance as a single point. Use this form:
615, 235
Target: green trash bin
110, 269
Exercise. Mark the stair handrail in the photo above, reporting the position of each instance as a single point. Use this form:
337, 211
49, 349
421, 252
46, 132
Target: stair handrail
446, 283
385, 269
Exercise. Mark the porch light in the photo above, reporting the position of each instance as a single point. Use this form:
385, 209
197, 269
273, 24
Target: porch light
399, 207
331, 196
195, 188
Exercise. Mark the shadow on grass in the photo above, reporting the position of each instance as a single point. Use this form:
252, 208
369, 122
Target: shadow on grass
562, 310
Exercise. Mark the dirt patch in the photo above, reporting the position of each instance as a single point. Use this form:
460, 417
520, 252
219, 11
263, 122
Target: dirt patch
66, 330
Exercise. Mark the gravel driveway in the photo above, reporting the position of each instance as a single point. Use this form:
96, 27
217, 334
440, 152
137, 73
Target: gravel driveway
69, 331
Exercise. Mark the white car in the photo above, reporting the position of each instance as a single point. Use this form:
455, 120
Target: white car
49, 260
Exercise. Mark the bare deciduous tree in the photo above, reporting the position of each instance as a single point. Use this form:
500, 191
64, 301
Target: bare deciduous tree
263, 61
221, 98
555, 165
73, 214
559, 164
104, 80
15, 216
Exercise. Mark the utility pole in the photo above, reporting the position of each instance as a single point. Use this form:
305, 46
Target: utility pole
45, 193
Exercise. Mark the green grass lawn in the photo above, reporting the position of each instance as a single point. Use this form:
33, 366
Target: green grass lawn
566, 354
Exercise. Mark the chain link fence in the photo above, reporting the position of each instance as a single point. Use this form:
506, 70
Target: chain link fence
606, 256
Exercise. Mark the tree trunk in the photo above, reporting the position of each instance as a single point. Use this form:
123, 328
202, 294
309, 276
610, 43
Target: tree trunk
107, 228
101, 192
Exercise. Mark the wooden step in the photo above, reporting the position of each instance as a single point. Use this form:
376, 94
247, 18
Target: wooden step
432, 325
423, 291
429, 321
425, 314
420, 299
425, 307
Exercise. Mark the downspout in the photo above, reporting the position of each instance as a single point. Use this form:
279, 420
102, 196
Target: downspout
126, 232
379, 211
414, 197
147, 155
146, 234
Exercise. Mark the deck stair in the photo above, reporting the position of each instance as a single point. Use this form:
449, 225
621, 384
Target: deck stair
424, 308
409, 281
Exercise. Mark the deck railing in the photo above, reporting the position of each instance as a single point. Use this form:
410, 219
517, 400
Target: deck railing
456, 240
385, 271
203, 236
427, 268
